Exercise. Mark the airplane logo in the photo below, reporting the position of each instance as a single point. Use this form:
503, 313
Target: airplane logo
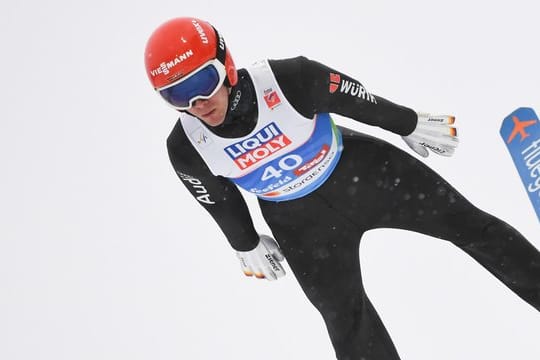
519, 128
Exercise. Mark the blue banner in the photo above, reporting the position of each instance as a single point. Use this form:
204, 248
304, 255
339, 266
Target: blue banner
521, 133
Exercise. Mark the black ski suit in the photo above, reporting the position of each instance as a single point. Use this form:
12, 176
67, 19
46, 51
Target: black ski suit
375, 185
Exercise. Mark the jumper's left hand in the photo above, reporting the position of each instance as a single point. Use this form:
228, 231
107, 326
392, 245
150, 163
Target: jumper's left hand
433, 132
264, 260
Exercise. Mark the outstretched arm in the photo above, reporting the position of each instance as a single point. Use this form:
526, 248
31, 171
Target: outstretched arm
312, 88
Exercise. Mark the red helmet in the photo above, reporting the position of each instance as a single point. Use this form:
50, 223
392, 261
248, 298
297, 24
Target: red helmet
181, 45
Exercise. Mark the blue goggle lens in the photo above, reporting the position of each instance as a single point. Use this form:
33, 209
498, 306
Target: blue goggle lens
200, 84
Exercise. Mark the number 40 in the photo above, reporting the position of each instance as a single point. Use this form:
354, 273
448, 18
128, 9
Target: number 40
288, 162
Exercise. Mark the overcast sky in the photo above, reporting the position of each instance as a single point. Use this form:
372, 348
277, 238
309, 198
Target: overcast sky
105, 255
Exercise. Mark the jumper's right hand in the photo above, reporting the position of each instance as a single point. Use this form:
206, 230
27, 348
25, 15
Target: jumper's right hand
263, 261
434, 132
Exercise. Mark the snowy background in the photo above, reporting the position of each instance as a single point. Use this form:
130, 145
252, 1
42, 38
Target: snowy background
105, 255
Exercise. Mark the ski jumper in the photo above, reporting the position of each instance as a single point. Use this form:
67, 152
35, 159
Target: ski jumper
373, 185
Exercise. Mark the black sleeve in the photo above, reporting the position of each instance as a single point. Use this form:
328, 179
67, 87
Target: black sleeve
312, 88
218, 195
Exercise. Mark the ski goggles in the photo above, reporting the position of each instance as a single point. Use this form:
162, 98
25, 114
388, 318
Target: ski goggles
202, 83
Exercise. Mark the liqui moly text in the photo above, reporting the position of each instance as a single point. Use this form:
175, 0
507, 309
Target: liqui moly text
261, 145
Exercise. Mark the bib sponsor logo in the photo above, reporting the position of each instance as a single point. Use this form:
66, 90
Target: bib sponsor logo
312, 175
313, 162
271, 98
260, 146
521, 132
201, 138
275, 185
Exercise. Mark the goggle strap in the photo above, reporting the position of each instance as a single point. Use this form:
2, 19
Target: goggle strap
220, 52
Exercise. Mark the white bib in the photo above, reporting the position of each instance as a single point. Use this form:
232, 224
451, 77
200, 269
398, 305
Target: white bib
286, 156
